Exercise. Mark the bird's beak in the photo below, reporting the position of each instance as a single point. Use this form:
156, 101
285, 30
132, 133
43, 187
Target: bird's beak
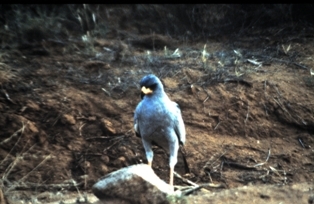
146, 90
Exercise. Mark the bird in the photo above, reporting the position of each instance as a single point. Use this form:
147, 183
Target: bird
158, 120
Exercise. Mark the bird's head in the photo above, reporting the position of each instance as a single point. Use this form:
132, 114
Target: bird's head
150, 84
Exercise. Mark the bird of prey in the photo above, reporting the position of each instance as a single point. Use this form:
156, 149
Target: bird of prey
158, 120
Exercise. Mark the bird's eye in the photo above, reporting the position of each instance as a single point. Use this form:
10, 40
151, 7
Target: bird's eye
152, 87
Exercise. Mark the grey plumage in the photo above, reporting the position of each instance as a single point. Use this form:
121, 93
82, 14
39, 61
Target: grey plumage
158, 119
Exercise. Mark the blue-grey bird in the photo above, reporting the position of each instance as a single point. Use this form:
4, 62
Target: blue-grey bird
158, 120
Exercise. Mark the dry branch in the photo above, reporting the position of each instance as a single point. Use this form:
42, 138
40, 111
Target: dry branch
217, 125
237, 165
278, 174
184, 179
247, 115
268, 155
37, 186
300, 141
99, 137
24, 177
287, 62
284, 109
12, 136
246, 167
118, 139
186, 190
7, 96
21, 130
254, 62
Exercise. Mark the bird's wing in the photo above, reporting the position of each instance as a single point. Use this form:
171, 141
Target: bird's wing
181, 134
179, 124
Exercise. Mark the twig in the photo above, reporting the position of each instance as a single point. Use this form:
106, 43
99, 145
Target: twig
107, 92
300, 141
14, 134
207, 163
208, 95
99, 137
288, 63
30, 185
94, 154
80, 128
277, 172
12, 165
190, 190
269, 151
210, 178
186, 190
117, 140
75, 185
254, 62
194, 185
56, 119
277, 91
184, 179
282, 107
206, 99
217, 125
265, 109
247, 115
240, 166
24, 177
260, 164
263, 176
265, 86
301, 66
7, 96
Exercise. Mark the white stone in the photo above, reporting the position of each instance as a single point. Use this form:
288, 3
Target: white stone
133, 184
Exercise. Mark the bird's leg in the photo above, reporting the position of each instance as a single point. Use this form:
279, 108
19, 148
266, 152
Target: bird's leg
171, 176
149, 152
173, 147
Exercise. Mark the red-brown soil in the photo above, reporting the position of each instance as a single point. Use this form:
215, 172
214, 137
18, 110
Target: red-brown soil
66, 113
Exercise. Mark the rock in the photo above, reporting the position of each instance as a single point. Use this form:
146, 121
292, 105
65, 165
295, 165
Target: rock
120, 162
107, 126
133, 184
32, 105
32, 127
68, 119
104, 168
105, 159
42, 139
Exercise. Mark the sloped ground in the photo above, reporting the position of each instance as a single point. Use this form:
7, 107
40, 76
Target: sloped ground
67, 115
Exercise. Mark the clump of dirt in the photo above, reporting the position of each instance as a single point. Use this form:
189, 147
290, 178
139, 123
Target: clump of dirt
67, 116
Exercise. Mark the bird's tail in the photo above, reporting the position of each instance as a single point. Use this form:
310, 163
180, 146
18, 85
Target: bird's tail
186, 165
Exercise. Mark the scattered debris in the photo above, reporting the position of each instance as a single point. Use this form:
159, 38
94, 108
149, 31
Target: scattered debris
255, 62
301, 142
7, 96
